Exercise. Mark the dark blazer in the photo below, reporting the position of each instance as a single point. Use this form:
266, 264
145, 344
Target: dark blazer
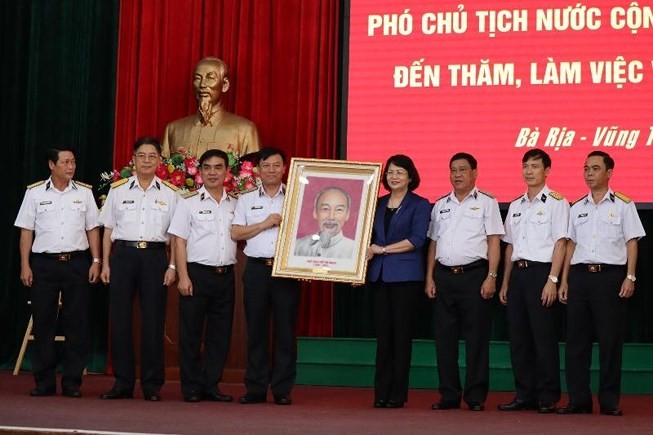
410, 221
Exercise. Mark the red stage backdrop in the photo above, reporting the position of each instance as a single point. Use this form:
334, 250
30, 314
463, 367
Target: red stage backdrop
494, 78
282, 57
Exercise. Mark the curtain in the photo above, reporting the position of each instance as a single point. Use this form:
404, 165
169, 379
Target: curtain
58, 82
283, 61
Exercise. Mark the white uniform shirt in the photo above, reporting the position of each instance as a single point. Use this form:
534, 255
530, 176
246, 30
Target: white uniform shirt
253, 208
461, 228
205, 224
602, 230
59, 219
135, 214
533, 228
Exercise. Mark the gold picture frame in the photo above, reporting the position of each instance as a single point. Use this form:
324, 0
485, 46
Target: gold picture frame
327, 241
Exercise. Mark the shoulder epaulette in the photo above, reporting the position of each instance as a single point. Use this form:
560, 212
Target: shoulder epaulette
189, 194
170, 185
33, 185
119, 182
623, 197
442, 197
486, 193
88, 186
578, 200
556, 195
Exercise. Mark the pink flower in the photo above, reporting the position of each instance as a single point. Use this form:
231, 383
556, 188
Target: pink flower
181, 150
198, 179
115, 175
229, 177
191, 170
249, 184
247, 166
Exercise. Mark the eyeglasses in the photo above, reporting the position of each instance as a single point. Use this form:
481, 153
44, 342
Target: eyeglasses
144, 156
396, 173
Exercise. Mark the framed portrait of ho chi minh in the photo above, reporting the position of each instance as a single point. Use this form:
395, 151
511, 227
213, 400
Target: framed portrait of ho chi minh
328, 213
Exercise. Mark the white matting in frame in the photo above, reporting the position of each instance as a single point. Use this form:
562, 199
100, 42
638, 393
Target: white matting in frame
328, 214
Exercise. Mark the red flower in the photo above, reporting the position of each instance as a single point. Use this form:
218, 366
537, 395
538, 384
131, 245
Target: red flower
178, 178
162, 171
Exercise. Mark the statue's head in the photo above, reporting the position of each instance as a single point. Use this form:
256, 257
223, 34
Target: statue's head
210, 80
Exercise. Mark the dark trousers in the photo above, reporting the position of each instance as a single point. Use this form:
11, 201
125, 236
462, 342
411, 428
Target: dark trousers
138, 271
459, 311
266, 296
533, 336
594, 306
71, 278
393, 322
212, 307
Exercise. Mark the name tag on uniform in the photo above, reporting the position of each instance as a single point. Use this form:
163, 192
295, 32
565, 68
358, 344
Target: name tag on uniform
257, 207
205, 212
45, 202
474, 208
446, 210
582, 215
516, 214
77, 201
128, 201
160, 202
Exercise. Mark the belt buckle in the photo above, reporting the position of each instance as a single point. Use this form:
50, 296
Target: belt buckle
63, 257
457, 270
593, 268
221, 270
141, 245
269, 261
522, 264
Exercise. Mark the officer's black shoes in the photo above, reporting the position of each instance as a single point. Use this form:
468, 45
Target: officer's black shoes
42, 392
575, 409
611, 410
115, 393
71, 392
517, 405
444, 405
546, 408
249, 399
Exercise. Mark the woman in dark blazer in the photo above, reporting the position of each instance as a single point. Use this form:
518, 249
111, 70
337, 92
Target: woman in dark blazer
396, 274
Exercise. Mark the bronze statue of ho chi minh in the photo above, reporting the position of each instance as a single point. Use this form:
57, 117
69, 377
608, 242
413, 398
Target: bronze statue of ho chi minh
212, 126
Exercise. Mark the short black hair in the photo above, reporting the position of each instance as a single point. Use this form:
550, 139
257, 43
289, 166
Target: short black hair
464, 156
609, 161
537, 154
214, 153
406, 163
268, 152
147, 140
52, 154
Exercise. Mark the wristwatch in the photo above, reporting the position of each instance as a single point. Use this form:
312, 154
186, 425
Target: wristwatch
384, 251
493, 275
97, 261
633, 278
554, 279
172, 266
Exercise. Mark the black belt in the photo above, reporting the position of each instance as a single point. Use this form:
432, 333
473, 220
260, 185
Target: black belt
524, 264
61, 256
457, 270
598, 267
266, 261
141, 244
220, 270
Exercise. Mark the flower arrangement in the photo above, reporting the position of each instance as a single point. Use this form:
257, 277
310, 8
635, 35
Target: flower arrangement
182, 170
243, 176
